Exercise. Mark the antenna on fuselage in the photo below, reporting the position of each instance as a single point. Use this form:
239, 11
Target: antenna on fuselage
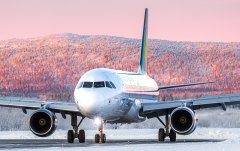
142, 69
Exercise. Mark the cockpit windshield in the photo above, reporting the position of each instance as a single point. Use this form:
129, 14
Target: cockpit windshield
97, 84
87, 84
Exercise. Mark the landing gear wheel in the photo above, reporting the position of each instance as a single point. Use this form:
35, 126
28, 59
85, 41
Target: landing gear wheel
70, 136
161, 135
81, 136
97, 138
172, 136
103, 139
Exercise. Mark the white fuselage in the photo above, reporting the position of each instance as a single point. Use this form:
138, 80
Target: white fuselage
114, 95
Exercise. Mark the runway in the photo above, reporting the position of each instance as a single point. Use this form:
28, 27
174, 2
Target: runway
62, 143
207, 139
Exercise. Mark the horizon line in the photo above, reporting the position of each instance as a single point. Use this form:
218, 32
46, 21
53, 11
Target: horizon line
118, 36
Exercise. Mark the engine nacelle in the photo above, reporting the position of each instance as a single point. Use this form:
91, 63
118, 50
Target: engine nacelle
183, 120
43, 122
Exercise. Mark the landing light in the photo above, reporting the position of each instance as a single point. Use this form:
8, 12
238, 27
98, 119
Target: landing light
98, 121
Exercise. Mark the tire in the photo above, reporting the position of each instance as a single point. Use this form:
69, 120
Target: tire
103, 139
81, 136
70, 136
172, 136
161, 135
97, 138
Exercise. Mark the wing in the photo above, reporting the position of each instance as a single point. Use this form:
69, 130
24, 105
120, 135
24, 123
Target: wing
162, 108
34, 104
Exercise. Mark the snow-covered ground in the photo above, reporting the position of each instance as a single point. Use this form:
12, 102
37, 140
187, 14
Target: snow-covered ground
232, 142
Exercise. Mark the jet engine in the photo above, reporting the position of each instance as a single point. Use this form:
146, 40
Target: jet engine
183, 120
43, 122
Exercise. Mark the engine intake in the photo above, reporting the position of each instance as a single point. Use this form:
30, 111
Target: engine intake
43, 122
183, 120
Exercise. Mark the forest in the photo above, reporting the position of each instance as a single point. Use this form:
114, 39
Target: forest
49, 67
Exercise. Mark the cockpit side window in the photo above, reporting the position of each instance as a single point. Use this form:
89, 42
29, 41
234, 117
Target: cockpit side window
108, 84
99, 84
87, 84
80, 85
112, 84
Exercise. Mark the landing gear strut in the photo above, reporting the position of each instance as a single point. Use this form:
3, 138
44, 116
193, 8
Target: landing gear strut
162, 134
101, 136
72, 134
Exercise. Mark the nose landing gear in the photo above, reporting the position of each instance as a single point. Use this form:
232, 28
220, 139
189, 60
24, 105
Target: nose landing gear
101, 136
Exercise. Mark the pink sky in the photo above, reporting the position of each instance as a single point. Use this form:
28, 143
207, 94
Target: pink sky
181, 20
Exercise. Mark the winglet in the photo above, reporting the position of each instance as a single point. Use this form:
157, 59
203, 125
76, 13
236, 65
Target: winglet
142, 69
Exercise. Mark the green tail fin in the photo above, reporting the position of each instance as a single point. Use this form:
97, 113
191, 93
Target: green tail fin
142, 69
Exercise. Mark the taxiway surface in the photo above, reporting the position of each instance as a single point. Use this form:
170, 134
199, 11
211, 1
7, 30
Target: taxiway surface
45, 143
203, 139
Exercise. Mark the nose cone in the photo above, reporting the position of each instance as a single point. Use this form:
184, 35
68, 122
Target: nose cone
89, 101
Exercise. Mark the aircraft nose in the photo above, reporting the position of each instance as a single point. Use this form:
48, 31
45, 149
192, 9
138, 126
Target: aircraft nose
90, 102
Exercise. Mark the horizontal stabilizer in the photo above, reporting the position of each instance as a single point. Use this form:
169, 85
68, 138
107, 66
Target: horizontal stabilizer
182, 85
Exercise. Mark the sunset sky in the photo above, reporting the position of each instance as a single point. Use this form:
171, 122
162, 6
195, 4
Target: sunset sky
181, 20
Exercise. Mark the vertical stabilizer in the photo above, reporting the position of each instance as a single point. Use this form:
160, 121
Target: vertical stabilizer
142, 69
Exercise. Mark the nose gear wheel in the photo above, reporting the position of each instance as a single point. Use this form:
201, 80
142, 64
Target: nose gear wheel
101, 137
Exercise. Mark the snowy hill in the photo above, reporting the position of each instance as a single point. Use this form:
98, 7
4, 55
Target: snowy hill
53, 64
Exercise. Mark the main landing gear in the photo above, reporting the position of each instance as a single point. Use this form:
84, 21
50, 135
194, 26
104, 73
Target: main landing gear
101, 136
162, 134
72, 134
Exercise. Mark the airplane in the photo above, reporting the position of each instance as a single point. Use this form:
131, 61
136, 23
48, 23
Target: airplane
115, 96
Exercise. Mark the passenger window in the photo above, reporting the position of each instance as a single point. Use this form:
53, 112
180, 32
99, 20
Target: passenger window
108, 84
87, 84
112, 84
99, 84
